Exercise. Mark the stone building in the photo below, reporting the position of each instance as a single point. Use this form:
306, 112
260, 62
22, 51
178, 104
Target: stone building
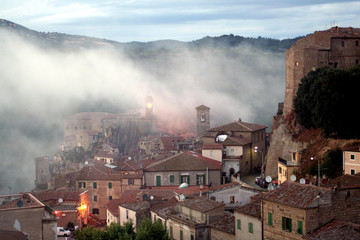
240, 146
42, 172
351, 162
193, 218
294, 210
186, 167
202, 119
26, 214
336, 47
105, 183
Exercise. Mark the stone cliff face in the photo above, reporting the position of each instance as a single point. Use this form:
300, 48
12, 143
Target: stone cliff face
282, 145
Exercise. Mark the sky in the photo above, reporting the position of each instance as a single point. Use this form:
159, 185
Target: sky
183, 20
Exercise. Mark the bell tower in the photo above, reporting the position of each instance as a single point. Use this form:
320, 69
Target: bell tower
202, 119
149, 107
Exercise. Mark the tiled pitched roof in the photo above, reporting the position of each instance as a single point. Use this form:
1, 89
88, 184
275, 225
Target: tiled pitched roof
201, 204
136, 206
224, 186
236, 141
191, 190
238, 126
212, 146
225, 224
12, 235
336, 230
51, 195
113, 206
202, 107
296, 195
164, 208
144, 194
170, 142
345, 182
252, 209
185, 161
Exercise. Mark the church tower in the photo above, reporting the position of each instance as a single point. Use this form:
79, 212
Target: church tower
149, 107
202, 119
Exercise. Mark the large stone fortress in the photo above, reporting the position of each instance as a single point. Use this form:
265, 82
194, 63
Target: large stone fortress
336, 47
86, 128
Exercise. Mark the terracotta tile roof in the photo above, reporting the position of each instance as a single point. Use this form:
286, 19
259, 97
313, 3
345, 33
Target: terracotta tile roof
12, 235
113, 206
104, 154
296, 195
51, 195
191, 190
136, 206
18, 201
212, 146
185, 161
336, 230
163, 209
345, 182
225, 224
238, 126
251, 209
201, 204
202, 107
144, 194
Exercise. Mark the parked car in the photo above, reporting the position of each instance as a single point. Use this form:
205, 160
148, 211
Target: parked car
63, 232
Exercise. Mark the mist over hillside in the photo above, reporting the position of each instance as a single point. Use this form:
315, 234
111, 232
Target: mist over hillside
47, 76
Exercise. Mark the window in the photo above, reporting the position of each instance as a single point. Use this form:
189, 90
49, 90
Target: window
203, 118
299, 229
280, 170
213, 198
336, 65
250, 228
232, 199
110, 184
171, 231
94, 185
202, 216
200, 179
82, 185
158, 180
286, 224
270, 222
185, 179
356, 43
238, 224
352, 157
192, 237
342, 43
181, 235
110, 197
95, 211
296, 63
130, 181
211, 153
232, 151
190, 214
95, 198
180, 208
352, 171
172, 178
127, 214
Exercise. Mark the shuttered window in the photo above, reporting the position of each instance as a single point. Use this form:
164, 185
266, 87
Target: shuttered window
270, 222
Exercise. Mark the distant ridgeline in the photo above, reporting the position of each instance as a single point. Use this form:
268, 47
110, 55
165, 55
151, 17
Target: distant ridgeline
70, 42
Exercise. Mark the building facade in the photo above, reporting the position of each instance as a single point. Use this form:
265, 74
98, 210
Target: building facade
351, 162
202, 119
336, 47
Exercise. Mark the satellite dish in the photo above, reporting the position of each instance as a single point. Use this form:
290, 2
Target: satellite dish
129, 158
182, 197
19, 203
151, 197
268, 179
60, 200
293, 178
183, 185
86, 162
302, 181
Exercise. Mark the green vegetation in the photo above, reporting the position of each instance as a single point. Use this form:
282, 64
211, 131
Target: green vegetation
147, 231
77, 155
327, 99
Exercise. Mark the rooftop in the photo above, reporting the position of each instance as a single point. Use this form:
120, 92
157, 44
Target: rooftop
225, 224
336, 229
201, 204
19, 201
185, 161
238, 126
296, 195
113, 206
136, 206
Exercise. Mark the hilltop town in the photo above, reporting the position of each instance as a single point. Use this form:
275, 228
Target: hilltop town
233, 181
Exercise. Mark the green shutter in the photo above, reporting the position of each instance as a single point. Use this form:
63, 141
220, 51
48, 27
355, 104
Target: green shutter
158, 180
181, 235
204, 179
290, 225
239, 224
188, 179
270, 219
171, 231
110, 185
94, 185
300, 228
250, 228
197, 179
172, 178
283, 223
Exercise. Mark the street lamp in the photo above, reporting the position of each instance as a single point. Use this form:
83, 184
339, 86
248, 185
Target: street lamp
312, 159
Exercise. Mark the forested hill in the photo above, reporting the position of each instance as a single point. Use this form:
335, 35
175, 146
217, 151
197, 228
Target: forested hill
66, 41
